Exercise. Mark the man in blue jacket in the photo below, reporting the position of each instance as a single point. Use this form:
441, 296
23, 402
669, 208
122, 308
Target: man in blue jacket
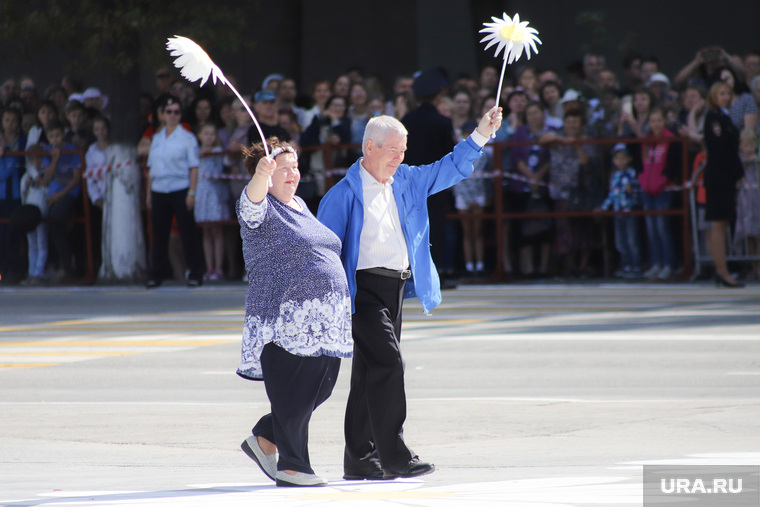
379, 212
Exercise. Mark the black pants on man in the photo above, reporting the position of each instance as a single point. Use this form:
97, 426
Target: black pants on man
163, 208
376, 407
296, 386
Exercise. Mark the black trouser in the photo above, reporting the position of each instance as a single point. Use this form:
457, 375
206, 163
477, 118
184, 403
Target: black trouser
11, 264
163, 208
296, 386
58, 212
376, 407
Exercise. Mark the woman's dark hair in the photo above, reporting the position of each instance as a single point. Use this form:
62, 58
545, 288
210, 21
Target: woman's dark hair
652, 99
508, 111
47, 103
739, 85
104, 119
167, 99
54, 124
252, 154
160, 103
216, 110
576, 113
320, 82
193, 119
535, 103
548, 84
17, 114
333, 98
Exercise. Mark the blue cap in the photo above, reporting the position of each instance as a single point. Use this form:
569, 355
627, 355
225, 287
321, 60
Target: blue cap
620, 147
264, 95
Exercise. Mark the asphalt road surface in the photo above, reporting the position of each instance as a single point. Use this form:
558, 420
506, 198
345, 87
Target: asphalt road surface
522, 395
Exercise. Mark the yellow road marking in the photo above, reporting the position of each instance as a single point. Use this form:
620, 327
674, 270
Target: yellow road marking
116, 343
36, 353
19, 366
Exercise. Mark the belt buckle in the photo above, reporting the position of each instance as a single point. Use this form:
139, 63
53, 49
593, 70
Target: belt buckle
406, 274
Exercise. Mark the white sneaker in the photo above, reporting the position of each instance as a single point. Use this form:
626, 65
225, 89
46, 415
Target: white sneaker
652, 272
299, 479
665, 273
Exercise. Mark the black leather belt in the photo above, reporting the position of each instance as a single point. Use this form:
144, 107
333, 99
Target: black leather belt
390, 273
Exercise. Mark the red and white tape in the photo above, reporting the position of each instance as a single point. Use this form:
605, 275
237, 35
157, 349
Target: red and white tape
100, 171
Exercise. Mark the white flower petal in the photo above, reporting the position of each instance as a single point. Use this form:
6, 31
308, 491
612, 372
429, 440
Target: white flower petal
513, 50
193, 62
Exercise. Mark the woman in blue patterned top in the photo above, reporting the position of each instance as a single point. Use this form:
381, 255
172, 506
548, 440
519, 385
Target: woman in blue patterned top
298, 311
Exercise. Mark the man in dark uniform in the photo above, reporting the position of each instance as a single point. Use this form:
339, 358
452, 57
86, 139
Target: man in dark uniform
431, 136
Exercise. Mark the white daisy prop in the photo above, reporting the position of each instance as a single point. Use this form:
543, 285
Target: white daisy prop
514, 37
194, 64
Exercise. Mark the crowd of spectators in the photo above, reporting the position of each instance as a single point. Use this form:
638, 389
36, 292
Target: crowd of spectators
551, 115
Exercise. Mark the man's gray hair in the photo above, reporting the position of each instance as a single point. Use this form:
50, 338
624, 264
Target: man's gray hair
377, 130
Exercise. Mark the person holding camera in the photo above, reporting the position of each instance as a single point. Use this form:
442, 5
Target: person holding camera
706, 61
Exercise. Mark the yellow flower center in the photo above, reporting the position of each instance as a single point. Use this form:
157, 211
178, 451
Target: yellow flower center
512, 32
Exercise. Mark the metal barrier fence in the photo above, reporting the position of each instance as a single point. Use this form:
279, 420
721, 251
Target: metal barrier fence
499, 216
497, 213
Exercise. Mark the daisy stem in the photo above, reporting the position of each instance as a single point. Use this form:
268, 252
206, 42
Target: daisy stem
255, 121
498, 90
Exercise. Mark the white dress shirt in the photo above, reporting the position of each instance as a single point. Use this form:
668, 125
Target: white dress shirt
382, 243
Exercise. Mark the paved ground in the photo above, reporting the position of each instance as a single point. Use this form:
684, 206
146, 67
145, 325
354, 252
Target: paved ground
523, 395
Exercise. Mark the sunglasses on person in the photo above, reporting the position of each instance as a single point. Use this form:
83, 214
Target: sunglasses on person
172, 111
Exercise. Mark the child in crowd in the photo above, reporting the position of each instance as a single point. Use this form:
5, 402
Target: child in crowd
470, 197
660, 164
63, 174
211, 200
748, 199
624, 196
78, 133
97, 159
34, 192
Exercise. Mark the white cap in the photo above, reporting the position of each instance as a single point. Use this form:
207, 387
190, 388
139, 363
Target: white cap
570, 96
94, 93
658, 77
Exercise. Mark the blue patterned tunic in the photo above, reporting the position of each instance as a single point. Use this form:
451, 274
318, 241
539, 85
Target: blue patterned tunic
297, 291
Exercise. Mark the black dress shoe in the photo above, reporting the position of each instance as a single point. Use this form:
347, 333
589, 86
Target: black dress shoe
415, 468
722, 282
367, 474
152, 283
